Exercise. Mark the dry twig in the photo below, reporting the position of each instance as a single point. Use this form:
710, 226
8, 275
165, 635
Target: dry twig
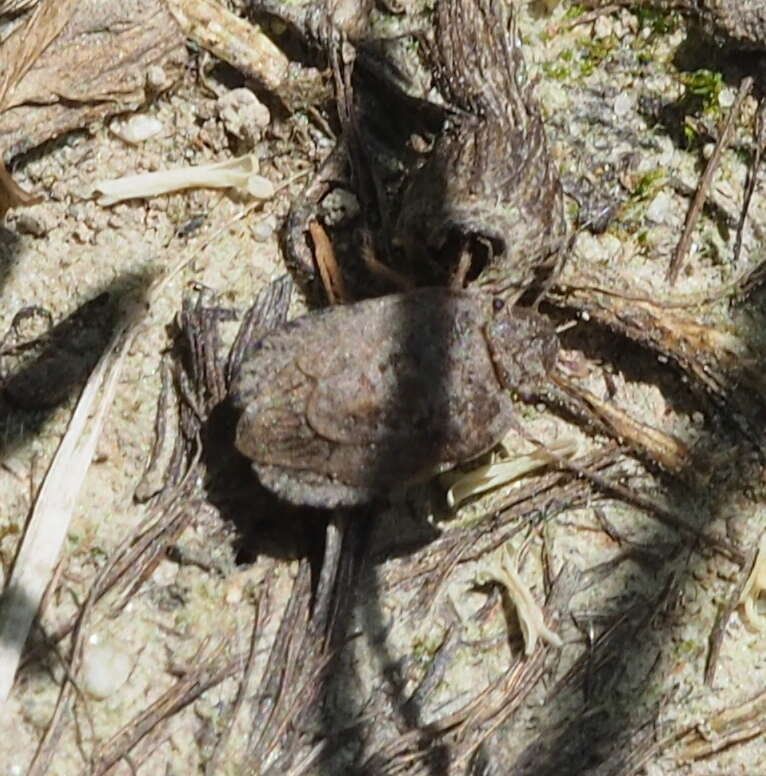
727, 728
329, 271
752, 177
232, 39
698, 203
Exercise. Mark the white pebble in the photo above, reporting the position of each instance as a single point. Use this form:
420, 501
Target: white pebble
623, 103
263, 230
137, 128
659, 208
157, 79
726, 98
602, 27
105, 668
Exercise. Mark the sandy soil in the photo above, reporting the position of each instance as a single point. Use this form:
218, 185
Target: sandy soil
611, 92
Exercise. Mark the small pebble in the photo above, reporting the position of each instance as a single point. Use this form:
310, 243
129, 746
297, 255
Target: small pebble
105, 668
82, 233
31, 225
339, 206
659, 208
622, 104
157, 79
243, 115
726, 98
263, 230
602, 27
137, 128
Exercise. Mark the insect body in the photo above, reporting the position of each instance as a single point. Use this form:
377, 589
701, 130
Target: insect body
347, 404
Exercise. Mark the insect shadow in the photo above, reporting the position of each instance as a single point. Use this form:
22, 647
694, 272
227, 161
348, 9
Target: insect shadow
43, 364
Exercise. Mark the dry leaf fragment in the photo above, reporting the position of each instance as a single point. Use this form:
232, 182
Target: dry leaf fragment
239, 173
23, 48
11, 194
531, 618
60, 72
501, 471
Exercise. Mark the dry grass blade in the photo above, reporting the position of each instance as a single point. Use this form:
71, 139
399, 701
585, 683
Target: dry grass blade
547, 495
140, 551
460, 733
752, 175
635, 750
267, 312
703, 351
725, 612
151, 481
53, 510
15, 6
46, 749
212, 765
719, 362
88, 61
17, 55
670, 453
280, 668
521, 681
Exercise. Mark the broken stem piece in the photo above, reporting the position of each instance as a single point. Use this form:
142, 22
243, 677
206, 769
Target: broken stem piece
531, 618
239, 173
232, 39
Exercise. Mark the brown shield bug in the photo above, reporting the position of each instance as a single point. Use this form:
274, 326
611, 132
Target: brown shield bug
347, 404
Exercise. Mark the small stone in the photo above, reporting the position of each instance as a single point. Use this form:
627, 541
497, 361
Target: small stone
105, 668
623, 104
339, 206
243, 115
659, 208
157, 79
35, 226
602, 27
726, 98
263, 231
137, 128
82, 233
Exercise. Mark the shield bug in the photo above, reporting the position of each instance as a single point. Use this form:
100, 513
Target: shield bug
349, 403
